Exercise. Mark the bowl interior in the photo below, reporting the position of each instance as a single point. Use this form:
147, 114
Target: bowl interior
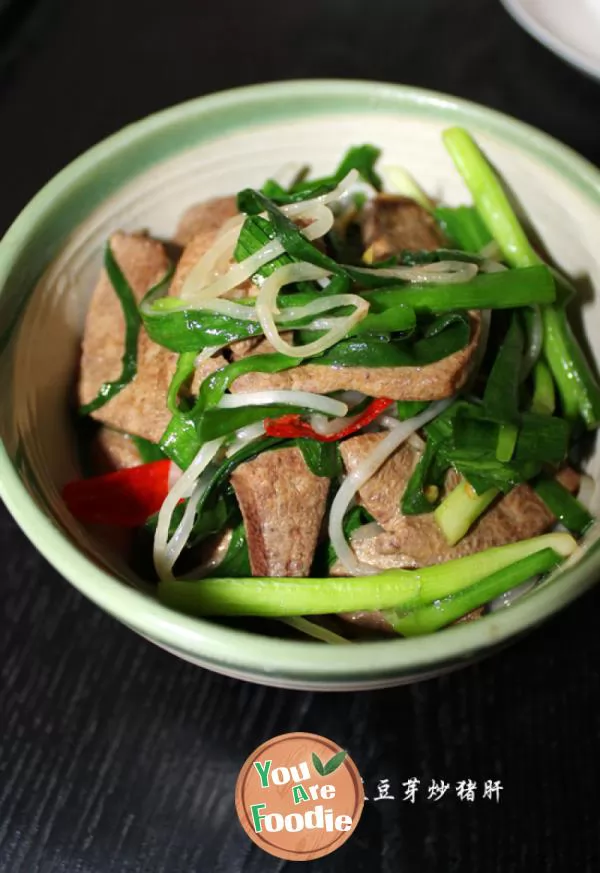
57, 249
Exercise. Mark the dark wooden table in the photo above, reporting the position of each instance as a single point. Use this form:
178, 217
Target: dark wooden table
114, 756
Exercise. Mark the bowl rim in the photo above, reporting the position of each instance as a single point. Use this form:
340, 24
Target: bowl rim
242, 653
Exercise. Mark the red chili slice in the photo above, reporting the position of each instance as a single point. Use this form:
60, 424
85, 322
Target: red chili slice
125, 498
291, 426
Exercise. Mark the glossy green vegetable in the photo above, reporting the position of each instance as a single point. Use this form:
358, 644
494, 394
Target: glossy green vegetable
362, 158
180, 441
464, 227
400, 589
216, 423
486, 471
463, 437
221, 514
541, 438
504, 290
544, 399
147, 450
184, 435
236, 561
445, 336
410, 408
578, 388
405, 184
436, 615
490, 198
186, 364
567, 509
577, 385
421, 493
191, 330
392, 309
214, 386
501, 396
399, 319
323, 459
409, 258
299, 247
255, 233
461, 508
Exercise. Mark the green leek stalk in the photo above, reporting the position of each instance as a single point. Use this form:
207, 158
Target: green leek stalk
577, 386
507, 442
544, 399
436, 615
490, 198
393, 307
578, 390
504, 290
464, 227
391, 589
405, 184
567, 509
460, 509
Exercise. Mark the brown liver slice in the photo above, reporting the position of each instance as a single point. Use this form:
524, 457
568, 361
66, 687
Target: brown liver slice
141, 407
202, 229
255, 345
391, 224
193, 251
430, 382
379, 551
518, 515
283, 504
112, 450
208, 216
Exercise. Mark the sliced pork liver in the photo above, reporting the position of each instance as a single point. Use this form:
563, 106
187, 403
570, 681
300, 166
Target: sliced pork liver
392, 224
201, 230
255, 345
389, 224
141, 407
431, 382
518, 515
210, 215
112, 450
283, 504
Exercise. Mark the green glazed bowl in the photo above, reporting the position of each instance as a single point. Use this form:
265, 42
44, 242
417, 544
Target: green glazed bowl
145, 176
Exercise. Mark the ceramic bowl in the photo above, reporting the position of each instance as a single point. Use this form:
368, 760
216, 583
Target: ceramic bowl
145, 176
571, 30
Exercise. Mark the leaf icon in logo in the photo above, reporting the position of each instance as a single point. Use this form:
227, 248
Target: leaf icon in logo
317, 764
332, 765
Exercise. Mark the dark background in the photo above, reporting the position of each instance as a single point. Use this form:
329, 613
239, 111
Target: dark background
114, 756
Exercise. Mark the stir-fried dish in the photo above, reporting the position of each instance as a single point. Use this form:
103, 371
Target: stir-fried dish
354, 410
